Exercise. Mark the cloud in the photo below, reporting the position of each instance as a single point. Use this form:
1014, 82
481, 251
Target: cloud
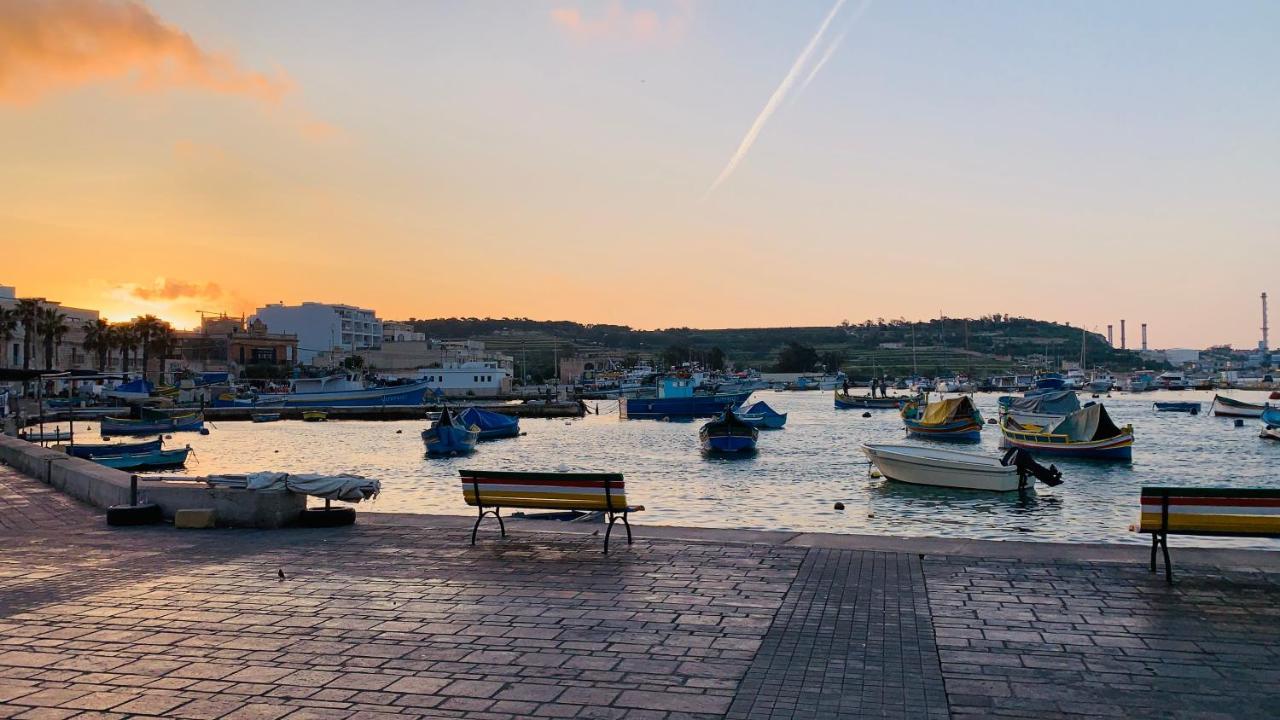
165, 289
835, 44
52, 45
775, 100
616, 21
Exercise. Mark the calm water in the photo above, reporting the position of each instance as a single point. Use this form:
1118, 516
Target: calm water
794, 479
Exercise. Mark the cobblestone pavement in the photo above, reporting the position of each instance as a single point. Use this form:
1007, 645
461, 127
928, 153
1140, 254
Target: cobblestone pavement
386, 621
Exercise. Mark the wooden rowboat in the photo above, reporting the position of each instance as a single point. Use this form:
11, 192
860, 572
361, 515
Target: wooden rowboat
1229, 407
845, 401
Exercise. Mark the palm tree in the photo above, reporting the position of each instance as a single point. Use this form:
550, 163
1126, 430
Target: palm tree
97, 340
162, 343
52, 325
8, 328
123, 338
28, 311
147, 328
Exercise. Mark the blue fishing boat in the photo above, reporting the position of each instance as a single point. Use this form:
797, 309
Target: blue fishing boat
449, 436
152, 423
728, 434
1271, 415
154, 460
493, 426
109, 449
955, 419
133, 390
677, 400
1186, 407
760, 415
346, 390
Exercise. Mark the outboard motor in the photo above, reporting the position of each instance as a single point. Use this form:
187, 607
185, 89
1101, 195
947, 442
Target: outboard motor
1027, 466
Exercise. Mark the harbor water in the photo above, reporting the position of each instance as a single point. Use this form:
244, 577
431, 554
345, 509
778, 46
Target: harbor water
794, 480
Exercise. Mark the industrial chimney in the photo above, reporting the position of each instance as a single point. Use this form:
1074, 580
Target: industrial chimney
1110, 340
1266, 344
1123, 346
1144, 337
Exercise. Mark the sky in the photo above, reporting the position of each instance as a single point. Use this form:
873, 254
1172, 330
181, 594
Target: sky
655, 164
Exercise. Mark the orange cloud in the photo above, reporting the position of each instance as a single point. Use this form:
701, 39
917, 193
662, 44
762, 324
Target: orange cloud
51, 45
617, 21
165, 289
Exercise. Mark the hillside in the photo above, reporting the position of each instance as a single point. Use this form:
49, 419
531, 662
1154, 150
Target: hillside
981, 346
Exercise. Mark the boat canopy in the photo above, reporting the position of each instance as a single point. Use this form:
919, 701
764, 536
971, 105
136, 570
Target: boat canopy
1051, 403
486, 420
945, 411
1090, 422
759, 408
136, 386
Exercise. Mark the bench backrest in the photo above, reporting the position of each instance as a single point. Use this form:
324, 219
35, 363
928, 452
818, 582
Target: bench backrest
552, 490
1211, 511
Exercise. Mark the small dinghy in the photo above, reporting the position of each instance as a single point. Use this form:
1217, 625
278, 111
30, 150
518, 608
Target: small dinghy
493, 426
154, 460
938, 467
845, 401
97, 452
265, 417
728, 434
314, 416
448, 436
760, 415
1186, 407
1228, 407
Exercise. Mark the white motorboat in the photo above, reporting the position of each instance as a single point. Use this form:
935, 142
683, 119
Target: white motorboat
943, 468
1270, 432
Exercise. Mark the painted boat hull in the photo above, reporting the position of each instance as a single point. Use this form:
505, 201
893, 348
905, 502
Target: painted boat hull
863, 402
1119, 447
265, 417
965, 430
1226, 407
125, 426
46, 436
109, 450
449, 440
157, 460
942, 468
686, 407
1186, 407
370, 397
729, 444
1271, 416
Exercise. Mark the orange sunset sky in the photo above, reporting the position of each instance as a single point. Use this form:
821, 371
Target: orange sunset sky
663, 163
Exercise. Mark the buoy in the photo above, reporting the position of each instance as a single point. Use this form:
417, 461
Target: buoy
876, 474
562, 468
168, 437
866, 414
203, 431
1239, 422
839, 506
870, 514
991, 421
275, 451
399, 431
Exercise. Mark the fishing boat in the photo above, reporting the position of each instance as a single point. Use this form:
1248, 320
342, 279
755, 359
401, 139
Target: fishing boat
759, 415
953, 469
1086, 433
1142, 381
152, 423
1042, 410
493, 426
952, 419
676, 399
37, 436
1182, 407
448, 436
1101, 384
108, 449
1228, 407
263, 417
1172, 380
343, 390
845, 401
728, 434
1271, 415
314, 416
153, 460
133, 390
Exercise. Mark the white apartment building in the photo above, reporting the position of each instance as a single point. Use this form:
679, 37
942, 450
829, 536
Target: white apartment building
68, 354
324, 327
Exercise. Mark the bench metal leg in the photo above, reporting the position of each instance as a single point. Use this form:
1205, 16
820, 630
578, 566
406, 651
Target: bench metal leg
1155, 543
483, 512
613, 518
1161, 541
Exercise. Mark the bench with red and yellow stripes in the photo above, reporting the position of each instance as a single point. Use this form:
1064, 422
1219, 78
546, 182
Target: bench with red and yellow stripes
1229, 512
491, 490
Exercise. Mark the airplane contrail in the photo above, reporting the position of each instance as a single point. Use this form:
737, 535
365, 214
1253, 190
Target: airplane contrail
831, 49
774, 100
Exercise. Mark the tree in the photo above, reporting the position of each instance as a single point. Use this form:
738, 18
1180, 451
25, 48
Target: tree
832, 360
674, 355
795, 357
51, 323
8, 328
715, 359
163, 341
97, 340
124, 338
146, 328
28, 310
354, 362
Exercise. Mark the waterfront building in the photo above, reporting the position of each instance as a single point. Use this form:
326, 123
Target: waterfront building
228, 343
454, 368
400, 332
322, 327
68, 354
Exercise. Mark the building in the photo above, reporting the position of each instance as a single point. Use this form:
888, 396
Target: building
461, 368
68, 353
323, 327
400, 332
226, 343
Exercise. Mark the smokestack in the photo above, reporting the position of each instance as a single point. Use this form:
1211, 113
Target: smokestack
1266, 344
1122, 343
1110, 340
1144, 337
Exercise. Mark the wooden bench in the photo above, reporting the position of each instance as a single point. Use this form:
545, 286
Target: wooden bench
492, 490
1224, 512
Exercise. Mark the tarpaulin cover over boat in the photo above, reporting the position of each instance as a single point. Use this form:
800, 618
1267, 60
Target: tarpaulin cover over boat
136, 386
491, 424
758, 408
945, 411
1090, 422
1050, 403
348, 488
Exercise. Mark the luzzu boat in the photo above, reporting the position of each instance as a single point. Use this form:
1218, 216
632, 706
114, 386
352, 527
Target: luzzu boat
106, 450
1042, 410
760, 415
448, 436
1230, 407
845, 401
728, 434
154, 460
152, 423
493, 426
677, 399
951, 419
1086, 433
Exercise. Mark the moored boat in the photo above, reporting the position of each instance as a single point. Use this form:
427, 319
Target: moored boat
36, 436
108, 449
1086, 433
953, 469
153, 460
845, 401
1229, 407
493, 426
954, 419
676, 399
343, 391
1270, 432
152, 423
1271, 415
760, 415
448, 436
314, 416
265, 417
1186, 407
728, 434
1042, 410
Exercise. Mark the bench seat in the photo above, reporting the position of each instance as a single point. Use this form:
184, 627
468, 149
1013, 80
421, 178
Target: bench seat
1222, 512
